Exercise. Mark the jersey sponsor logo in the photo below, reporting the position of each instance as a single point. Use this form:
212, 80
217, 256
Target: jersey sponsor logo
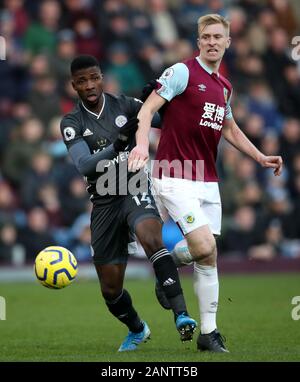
213, 116
87, 132
69, 133
168, 73
202, 87
120, 120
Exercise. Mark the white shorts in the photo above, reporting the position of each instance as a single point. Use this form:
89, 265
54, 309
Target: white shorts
191, 204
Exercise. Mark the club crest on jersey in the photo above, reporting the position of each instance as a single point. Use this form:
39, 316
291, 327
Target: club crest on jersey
69, 133
189, 218
225, 92
120, 120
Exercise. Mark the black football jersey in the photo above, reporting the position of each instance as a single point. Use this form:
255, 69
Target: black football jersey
99, 132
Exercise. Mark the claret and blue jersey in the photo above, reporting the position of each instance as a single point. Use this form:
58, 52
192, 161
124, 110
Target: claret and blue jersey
194, 119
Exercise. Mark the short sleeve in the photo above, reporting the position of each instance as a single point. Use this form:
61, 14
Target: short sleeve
173, 81
71, 130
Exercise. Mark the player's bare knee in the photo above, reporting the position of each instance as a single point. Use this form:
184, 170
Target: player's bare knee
110, 293
151, 244
204, 252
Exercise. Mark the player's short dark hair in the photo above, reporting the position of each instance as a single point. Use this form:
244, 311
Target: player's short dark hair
83, 62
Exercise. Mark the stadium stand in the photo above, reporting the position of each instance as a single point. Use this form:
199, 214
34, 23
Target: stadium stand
42, 197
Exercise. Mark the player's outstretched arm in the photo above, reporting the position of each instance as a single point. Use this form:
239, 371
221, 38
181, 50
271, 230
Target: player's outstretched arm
139, 155
234, 135
86, 163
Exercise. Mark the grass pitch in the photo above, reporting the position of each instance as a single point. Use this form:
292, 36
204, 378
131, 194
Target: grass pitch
73, 324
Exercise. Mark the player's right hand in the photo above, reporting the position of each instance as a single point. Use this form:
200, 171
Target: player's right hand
138, 157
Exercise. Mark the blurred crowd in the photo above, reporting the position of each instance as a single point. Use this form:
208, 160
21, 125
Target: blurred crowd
43, 200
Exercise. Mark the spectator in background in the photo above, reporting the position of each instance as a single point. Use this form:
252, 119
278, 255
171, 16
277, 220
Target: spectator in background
48, 199
82, 243
86, 39
290, 140
164, 27
18, 155
285, 16
65, 51
39, 173
40, 37
140, 20
11, 252
241, 235
125, 70
36, 235
53, 143
8, 203
262, 102
21, 18
290, 102
254, 128
118, 31
44, 99
150, 59
75, 200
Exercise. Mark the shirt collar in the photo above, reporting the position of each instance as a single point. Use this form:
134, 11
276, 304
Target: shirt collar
91, 112
205, 67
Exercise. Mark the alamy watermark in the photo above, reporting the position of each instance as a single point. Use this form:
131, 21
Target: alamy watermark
2, 308
116, 180
2, 48
296, 310
296, 50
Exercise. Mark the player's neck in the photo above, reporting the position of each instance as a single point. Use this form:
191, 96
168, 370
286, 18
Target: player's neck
214, 66
95, 108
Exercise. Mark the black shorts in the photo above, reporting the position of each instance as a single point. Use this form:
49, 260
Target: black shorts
113, 226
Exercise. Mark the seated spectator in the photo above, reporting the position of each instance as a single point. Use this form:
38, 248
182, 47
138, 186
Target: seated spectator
36, 235
11, 252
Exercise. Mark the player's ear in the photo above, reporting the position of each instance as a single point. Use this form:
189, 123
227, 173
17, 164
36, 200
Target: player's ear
228, 42
73, 85
198, 42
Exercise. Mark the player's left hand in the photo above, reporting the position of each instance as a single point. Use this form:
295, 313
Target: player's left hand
138, 157
270, 161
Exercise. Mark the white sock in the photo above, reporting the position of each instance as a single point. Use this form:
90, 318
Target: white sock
181, 254
206, 285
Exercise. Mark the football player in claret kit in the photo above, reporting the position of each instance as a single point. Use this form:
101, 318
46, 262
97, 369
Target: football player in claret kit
196, 112
99, 134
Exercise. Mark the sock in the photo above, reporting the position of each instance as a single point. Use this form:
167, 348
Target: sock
167, 276
206, 286
181, 254
122, 308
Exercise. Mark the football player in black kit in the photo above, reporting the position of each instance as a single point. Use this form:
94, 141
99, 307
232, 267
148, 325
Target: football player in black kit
99, 134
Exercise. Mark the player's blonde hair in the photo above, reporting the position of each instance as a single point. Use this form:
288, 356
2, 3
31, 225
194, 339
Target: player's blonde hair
212, 18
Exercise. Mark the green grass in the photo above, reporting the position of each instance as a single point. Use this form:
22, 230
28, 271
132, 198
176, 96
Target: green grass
74, 325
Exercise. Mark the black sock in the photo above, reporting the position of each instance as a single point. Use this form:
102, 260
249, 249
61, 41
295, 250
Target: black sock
167, 276
122, 308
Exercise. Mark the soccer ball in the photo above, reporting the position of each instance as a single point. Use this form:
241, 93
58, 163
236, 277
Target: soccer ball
55, 267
